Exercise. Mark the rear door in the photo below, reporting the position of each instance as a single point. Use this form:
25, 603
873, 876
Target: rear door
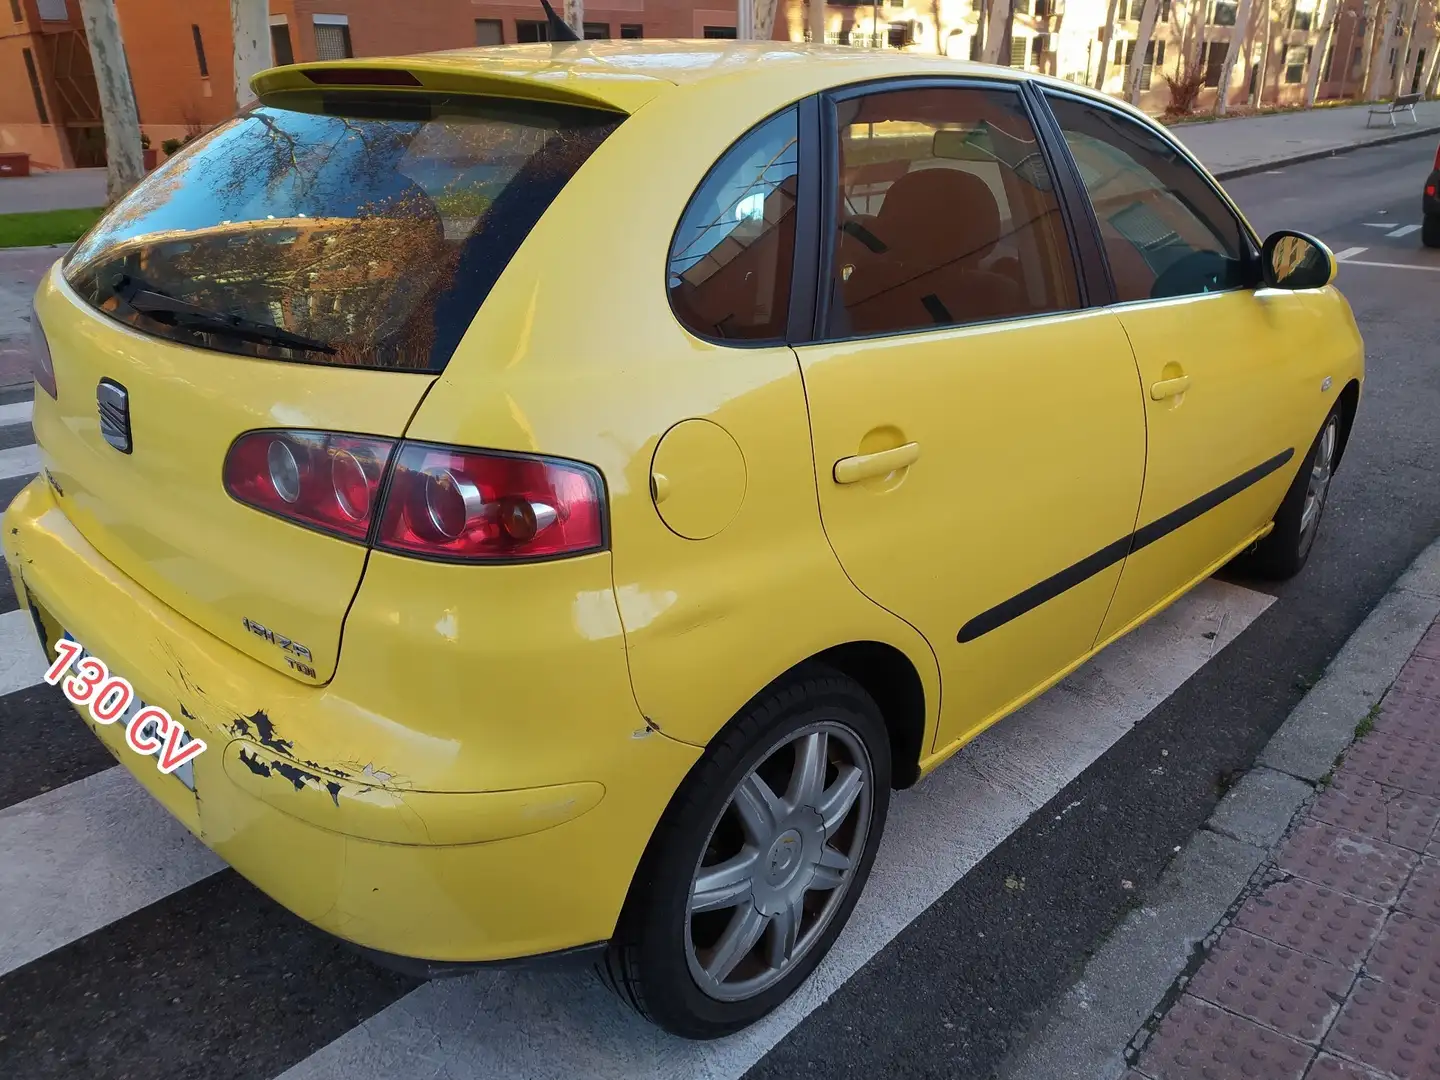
978, 433
308, 267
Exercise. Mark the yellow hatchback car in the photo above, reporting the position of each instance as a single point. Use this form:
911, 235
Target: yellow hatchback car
567, 488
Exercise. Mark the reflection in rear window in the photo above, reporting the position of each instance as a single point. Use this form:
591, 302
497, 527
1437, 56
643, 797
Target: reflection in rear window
339, 229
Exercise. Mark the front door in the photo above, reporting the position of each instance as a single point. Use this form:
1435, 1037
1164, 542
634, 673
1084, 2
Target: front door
1221, 363
979, 437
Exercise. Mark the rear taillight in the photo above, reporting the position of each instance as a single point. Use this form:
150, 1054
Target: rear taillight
461, 504
328, 482
40, 363
438, 502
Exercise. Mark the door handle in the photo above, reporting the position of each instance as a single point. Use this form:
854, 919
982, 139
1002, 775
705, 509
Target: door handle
851, 470
1168, 388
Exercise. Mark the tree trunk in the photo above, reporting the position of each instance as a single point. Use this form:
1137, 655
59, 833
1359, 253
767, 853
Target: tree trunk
573, 12
1232, 51
1327, 33
1432, 75
762, 18
1265, 32
250, 29
1106, 36
125, 162
817, 22
939, 33
997, 32
1142, 43
1379, 39
1403, 70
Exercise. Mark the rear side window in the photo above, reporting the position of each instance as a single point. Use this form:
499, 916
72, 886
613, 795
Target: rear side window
731, 258
341, 229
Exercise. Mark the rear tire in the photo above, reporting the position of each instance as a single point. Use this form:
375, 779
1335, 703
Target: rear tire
793, 792
1284, 552
1430, 230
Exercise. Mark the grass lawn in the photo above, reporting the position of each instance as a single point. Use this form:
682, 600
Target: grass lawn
46, 226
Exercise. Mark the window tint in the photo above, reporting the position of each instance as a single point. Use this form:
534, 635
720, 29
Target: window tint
1166, 231
947, 214
730, 262
344, 228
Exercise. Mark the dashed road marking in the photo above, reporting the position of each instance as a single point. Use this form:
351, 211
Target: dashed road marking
1350, 252
1404, 230
1392, 266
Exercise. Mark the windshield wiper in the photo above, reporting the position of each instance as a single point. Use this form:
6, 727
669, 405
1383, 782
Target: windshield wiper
172, 311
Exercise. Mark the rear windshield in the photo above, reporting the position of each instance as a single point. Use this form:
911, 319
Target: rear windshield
339, 229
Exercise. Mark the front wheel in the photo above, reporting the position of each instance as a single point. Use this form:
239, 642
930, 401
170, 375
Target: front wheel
1281, 554
1430, 230
758, 861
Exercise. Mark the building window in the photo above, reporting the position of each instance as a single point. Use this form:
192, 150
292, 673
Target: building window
596, 31
332, 37
199, 51
1222, 13
1329, 61
632, 30
1356, 62
1214, 61
1019, 46
529, 30
280, 44
35, 86
1022, 7
489, 32
897, 36
1038, 44
52, 10
1296, 57
719, 32
1302, 19
15, 11
1154, 54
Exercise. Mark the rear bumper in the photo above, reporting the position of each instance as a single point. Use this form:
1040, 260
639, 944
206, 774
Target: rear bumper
453, 876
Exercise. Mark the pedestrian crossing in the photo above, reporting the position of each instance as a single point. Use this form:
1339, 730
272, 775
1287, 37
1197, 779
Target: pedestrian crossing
106, 902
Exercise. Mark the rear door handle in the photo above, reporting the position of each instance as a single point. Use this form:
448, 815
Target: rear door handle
1168, 388
851, 470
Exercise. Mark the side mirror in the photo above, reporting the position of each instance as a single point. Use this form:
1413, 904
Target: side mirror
1294, 260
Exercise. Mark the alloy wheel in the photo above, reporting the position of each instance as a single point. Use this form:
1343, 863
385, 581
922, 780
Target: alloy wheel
1319, 484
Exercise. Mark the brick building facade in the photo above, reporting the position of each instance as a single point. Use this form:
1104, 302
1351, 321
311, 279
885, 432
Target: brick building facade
182, 70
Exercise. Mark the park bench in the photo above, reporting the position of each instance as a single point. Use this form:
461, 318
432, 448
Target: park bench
1405, 103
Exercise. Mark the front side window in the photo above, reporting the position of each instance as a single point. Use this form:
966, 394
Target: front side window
1165, 229
730, 261
342, 228
947, 214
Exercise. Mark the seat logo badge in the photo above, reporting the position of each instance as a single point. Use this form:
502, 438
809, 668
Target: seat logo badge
296, 655
113, 401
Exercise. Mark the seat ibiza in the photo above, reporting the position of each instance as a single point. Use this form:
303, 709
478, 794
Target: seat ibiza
539, 501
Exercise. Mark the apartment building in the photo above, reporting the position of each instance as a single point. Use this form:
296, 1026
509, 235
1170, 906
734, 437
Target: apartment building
182, 72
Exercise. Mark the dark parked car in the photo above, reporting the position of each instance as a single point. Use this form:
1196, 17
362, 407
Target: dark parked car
1430, 207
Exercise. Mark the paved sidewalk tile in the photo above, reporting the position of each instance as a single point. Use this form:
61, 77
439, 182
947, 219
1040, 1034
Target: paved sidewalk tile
1385, 813
1197, 1041
1421, 897
1420, 676
1359, 865
1408, 955
1315, 920
1430, 643
1327, 1067
1295, 994
1409, 715
1399, 762
1386, 1028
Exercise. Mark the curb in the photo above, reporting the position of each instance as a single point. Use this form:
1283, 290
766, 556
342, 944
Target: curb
1090, 1028
1316, 155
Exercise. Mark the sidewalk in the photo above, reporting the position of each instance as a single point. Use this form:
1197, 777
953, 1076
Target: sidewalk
20, 271
1255, 143
63, 189
1331, 965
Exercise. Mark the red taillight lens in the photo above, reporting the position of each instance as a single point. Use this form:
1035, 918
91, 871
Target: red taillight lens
329, 482
41, 365
469, 506
1429, 189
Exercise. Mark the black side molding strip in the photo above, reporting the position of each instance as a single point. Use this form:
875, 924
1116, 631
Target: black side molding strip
1110, 554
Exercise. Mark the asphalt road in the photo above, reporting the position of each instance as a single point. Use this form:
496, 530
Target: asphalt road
126, 950
960, 987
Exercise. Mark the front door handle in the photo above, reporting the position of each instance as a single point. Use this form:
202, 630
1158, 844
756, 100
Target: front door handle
851, 470
1168, 388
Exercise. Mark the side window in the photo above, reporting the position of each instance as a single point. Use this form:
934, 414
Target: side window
1166, 231
947, 214
730, 261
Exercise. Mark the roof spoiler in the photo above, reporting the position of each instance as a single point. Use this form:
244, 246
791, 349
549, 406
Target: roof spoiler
560, 30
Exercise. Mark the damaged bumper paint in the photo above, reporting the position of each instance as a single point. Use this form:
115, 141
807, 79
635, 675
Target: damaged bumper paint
393, 808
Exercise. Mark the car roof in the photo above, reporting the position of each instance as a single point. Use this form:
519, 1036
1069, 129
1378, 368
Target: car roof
624, 75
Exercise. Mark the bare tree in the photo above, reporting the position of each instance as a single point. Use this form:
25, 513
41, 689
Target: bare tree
1232, 52
1378, 33
574, 16
1403, 73
762, 18
250, 30
1432, 72
124, 160
817, 21
1106, 36
1134, 76
1322, 48
1265, 32
997, 32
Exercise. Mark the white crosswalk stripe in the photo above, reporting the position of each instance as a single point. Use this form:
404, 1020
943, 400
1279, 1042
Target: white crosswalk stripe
78, 859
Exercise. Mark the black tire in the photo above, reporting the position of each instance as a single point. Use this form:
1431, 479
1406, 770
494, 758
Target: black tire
1430, 230
649, 959
1284, 552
